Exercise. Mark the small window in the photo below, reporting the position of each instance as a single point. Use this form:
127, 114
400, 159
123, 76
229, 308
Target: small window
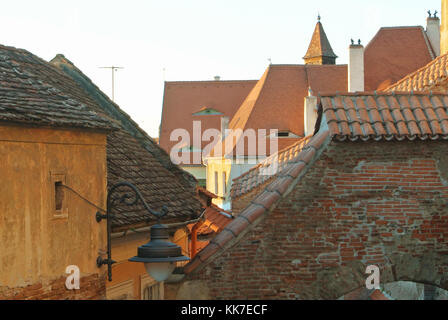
283, 134
216, 182
224, 183
58, 195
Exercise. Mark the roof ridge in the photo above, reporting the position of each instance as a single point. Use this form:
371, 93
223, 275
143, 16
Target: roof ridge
272, 156
209, 81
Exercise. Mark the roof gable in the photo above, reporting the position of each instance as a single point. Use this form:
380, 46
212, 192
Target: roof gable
281, 91
433, 75
182, 100
393, 53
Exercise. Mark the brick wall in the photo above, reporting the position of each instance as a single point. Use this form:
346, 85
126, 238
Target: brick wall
92, 287
359, 204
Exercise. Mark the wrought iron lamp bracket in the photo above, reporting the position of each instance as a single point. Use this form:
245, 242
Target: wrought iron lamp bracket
128, 200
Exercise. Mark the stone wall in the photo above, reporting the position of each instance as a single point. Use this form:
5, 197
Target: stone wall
381, 203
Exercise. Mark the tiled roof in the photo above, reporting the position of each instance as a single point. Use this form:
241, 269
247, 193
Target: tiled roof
262, 203
26, 98
393, 53
267, 170
319, 45
348, 117
386, 116
430, 76
216, 219
131, 154
281, 91
182, 100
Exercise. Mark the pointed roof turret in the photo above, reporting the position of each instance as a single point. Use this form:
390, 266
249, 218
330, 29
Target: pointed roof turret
320, 51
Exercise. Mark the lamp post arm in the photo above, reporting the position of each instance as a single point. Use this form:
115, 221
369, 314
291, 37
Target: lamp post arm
128, 200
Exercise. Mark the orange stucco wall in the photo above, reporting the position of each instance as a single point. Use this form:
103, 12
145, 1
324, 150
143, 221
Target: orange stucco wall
37, 242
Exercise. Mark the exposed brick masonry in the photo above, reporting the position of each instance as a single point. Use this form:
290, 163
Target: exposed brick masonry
382, 203
92, 287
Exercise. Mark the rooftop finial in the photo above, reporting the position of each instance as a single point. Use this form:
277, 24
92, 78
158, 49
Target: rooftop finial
318, 16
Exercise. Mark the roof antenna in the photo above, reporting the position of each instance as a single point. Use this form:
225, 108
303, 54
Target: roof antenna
114, 69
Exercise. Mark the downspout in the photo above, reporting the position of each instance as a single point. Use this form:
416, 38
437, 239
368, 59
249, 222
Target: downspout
194, 238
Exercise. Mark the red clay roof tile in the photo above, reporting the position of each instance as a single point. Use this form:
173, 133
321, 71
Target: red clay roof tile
238, 226
282, 90
432, 75
393, 53
208, 251
386, 115
223, 238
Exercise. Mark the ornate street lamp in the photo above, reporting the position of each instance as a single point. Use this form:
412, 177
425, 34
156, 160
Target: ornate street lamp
159, 255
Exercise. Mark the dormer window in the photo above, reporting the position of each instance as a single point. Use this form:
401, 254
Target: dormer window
284, 134
205, 111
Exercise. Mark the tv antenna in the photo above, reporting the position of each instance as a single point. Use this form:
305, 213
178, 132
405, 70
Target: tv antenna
113, 69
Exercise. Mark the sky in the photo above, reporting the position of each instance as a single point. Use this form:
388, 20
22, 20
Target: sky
185, 40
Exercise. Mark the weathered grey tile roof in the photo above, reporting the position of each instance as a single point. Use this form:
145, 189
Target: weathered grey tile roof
131, 154
25, 98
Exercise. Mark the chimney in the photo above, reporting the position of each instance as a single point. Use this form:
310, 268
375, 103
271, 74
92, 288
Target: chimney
224, 127
433, 32
356, 67
310, 114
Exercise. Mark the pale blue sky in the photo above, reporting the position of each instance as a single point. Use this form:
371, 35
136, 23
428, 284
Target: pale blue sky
191, 39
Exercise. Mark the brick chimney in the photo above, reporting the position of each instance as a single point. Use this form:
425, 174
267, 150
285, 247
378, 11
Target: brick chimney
433, 32
356, 67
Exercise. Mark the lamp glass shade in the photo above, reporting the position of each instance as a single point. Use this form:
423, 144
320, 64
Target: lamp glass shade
160, 271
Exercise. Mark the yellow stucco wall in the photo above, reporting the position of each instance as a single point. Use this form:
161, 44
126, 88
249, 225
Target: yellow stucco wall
128, 277
37, 242
444, 28
220, 166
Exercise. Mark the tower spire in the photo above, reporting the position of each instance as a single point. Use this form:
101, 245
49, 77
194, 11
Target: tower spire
319, 50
